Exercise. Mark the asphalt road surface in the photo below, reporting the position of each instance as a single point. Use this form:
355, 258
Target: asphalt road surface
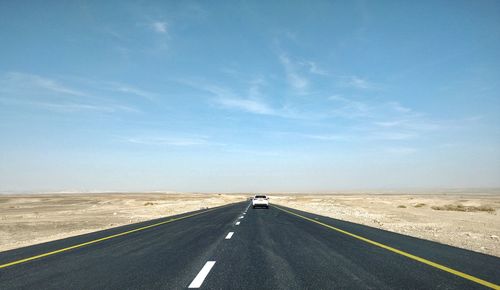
237, 247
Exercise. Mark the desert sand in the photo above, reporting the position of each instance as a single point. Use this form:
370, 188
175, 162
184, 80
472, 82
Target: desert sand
468, 221
37, 218
465, 220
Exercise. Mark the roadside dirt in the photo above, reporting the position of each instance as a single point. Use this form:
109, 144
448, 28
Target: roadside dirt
33, 219
466, 221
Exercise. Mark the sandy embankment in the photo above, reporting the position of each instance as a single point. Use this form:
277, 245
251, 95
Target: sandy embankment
33, 219
466, 221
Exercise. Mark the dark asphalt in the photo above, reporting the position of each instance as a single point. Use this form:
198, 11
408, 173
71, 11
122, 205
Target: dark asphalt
270, 249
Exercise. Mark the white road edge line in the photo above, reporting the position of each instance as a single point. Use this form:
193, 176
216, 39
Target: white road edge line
241, 217
198, 280
229, 235
237, 223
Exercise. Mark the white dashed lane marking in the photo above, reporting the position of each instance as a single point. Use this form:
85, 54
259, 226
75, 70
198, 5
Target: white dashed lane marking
198, 280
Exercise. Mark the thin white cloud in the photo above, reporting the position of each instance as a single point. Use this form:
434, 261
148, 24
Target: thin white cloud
23, 80
324, 137
268, 153
55, 94
295, 80
78, 107
360, 136
389, 123
128, 89
255, 90
313, 68
357, 83
169, 141
254, 101
416, 123
474, 118
160, 27
225, 98
386, 115
247, 105
257, 106
396, 106
392, 135
70, 107
350, 108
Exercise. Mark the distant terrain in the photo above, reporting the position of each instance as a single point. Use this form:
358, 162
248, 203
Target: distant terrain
467, 219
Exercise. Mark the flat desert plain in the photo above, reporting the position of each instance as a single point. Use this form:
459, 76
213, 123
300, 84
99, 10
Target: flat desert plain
37, 218
469, 221
466, 220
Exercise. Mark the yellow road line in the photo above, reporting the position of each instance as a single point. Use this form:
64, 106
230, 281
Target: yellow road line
403, 253
101, 239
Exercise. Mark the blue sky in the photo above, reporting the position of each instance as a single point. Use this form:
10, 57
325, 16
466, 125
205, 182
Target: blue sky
249, 95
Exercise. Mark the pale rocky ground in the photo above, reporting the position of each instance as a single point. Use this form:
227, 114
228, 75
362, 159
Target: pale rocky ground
37, 218
32, 219
413, 215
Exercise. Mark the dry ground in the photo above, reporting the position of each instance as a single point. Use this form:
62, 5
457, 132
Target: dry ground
470, 221
466, 221
32, 219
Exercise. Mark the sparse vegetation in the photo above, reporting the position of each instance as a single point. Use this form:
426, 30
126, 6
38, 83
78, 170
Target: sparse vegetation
401, 206
420, 205
149, 203
460, 207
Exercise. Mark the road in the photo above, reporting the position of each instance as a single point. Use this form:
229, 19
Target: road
236, 247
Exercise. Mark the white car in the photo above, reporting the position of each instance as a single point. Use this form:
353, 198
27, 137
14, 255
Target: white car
260, 201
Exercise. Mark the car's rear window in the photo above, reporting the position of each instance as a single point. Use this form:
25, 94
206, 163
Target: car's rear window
260, 196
